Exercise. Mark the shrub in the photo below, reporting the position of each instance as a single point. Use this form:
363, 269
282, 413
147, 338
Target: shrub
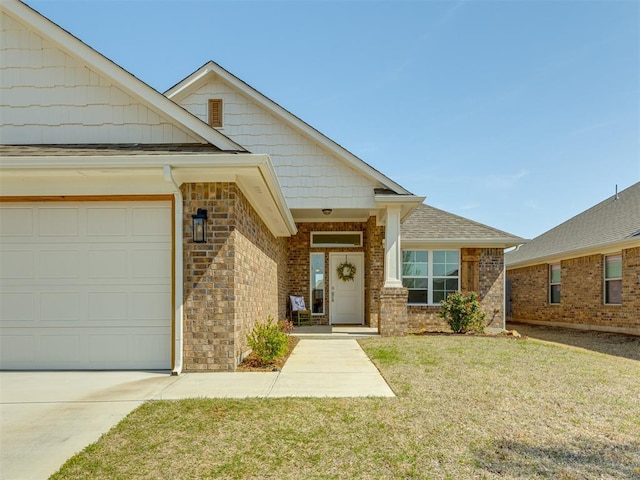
463, 313
268, 340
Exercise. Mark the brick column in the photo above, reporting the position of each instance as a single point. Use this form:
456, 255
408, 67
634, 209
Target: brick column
392, 320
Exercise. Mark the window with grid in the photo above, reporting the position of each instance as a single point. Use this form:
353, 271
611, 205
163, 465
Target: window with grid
554, 283
430, 275
613, 279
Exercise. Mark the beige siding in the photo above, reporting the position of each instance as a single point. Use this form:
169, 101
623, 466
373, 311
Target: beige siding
307, 172
47, 96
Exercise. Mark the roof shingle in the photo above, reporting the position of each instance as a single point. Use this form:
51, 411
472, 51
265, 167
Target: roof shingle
610, 221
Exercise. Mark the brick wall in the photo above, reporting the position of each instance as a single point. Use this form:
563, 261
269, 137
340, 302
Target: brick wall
299, 250
582, 294
481, 271
235, 278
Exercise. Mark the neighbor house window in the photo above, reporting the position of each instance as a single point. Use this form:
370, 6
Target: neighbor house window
215, 112
554, 283
317, 283
430, 275
613, 279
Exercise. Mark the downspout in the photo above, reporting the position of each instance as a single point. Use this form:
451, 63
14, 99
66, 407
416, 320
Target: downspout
178, 273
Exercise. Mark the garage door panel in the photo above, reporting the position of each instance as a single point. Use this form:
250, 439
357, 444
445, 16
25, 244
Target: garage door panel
108, 264
17, 350
63, 264
16, 222
59, 222
60, 349
107, 221
16, 264
60, 306
150, 221
84, 288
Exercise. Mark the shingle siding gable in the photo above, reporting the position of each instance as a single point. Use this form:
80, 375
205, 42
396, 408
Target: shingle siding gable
307, 173
49, 97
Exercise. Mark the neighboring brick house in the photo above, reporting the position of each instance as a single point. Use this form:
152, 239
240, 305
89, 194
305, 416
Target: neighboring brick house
584, 273
148, 231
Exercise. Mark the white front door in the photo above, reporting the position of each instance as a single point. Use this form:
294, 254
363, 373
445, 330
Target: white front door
346, 295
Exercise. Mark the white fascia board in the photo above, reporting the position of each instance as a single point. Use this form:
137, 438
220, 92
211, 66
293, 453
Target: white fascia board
193, 80
461, 242
254, 174
134, 86
602, 249
408, 203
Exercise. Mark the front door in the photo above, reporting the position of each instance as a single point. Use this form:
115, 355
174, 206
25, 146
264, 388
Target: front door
346, 288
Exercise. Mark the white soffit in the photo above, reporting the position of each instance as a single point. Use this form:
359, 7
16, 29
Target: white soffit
144, 174
199, 77
128, 82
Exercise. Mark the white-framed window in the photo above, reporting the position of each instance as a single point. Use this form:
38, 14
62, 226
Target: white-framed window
317, 284
336, 239
613, 279
554, 283
430, 275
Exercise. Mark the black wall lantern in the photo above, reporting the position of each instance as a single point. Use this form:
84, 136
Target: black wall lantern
200, 226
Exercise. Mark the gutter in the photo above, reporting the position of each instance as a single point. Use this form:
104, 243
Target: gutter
176, 367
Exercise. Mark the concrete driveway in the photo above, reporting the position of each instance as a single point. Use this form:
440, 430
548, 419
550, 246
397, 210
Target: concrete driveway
48, 416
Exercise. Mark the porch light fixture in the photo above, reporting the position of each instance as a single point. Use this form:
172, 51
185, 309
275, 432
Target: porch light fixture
200, 226
327, 211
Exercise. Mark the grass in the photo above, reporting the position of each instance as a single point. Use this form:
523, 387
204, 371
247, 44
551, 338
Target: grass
467, 407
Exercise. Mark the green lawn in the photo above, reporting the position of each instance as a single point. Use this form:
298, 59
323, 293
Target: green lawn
467, 407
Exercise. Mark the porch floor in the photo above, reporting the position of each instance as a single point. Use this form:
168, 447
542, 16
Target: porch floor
334, 331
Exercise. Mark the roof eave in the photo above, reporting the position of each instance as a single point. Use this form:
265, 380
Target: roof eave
603, 248
466, 242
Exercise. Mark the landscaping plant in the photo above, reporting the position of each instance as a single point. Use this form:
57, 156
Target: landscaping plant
463, 313
268, 340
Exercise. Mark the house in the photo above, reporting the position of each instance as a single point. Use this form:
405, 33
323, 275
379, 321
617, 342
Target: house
141, 230
584, 273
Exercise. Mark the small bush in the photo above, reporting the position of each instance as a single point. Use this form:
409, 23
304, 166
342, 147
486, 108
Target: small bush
268, 340
463, 313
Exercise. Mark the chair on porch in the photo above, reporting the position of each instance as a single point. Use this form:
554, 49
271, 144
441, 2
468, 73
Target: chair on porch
299, 313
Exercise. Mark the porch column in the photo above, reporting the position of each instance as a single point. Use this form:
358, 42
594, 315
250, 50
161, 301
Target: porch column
393, 253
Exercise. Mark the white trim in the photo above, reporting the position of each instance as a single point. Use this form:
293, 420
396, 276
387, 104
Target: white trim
334, 245
430, 276
132, 85
551, 284
135, 174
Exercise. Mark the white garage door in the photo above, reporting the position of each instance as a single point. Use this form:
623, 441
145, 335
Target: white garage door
85, 285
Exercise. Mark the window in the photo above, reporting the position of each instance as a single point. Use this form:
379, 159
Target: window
613, 279
430, 275
317, 283
215, 112
554, 283
336, 239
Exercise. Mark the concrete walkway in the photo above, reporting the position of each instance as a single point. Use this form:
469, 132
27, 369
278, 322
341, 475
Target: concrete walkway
316, 368
46, 417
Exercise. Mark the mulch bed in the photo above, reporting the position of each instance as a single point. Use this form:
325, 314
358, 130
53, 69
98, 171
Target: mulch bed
253, 364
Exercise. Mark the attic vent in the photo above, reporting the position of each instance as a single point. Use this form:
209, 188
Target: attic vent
215, 112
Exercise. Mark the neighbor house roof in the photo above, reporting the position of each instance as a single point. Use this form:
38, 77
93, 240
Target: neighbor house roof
200, 76
612, 223
430, 225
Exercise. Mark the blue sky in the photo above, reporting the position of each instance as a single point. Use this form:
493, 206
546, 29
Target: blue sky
517, 114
